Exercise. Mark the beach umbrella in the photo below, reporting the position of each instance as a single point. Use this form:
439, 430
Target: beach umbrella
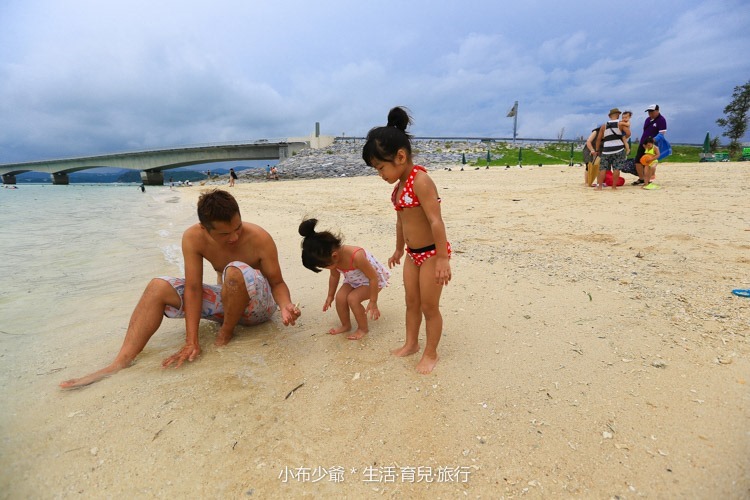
463, 158
707, 144
488, 157
520, 155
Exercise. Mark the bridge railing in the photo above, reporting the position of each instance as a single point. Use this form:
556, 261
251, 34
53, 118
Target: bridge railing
255, 142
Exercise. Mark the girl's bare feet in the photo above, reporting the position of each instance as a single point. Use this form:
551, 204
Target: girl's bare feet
341, 329
426, 364
357, 335
405, 350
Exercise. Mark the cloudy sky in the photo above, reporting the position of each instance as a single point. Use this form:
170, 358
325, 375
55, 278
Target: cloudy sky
81, 77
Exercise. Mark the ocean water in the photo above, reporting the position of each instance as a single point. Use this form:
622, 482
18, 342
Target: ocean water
73, 262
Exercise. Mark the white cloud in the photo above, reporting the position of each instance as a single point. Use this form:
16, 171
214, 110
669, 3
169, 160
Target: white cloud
83, 76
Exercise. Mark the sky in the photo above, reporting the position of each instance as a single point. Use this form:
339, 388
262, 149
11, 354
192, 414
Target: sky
84, 77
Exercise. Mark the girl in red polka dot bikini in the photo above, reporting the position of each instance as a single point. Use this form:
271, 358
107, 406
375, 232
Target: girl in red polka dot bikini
419, 229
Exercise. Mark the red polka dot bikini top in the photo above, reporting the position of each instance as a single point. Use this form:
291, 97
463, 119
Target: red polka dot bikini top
408, 198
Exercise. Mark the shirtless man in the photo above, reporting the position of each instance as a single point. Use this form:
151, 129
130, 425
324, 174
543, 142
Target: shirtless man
250, 285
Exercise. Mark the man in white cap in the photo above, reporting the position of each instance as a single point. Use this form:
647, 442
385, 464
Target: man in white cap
654, 124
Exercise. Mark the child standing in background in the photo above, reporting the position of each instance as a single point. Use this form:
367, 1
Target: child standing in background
364, 276
419, 228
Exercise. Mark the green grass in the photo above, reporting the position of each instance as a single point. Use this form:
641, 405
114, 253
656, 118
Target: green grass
502, 154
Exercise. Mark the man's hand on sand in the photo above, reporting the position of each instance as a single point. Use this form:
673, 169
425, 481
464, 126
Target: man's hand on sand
189, 352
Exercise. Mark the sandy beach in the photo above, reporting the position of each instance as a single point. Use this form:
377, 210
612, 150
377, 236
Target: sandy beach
591, 348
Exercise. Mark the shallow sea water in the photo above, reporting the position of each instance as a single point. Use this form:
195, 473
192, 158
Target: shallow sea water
73, 262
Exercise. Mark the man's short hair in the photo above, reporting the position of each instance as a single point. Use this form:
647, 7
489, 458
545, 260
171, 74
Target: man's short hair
216, 206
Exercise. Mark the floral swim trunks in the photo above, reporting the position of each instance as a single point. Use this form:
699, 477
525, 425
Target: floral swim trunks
259, 310
419, 255
615, 161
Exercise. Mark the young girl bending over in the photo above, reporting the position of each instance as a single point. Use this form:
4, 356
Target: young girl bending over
364, 276
419, 228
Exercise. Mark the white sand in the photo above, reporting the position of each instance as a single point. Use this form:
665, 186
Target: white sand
591, 347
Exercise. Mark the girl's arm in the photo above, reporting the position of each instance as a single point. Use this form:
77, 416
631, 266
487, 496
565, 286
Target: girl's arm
400, 243
427, 193
656, 150
333, 283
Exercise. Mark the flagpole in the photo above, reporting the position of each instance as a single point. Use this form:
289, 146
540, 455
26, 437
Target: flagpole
514, 113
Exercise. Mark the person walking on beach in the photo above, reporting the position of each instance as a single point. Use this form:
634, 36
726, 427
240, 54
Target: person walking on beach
250, 286
419, 228
364, 277
232, 177
610, 143
655, 124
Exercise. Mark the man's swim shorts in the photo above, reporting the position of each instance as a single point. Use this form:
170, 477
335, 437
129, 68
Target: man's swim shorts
259, 310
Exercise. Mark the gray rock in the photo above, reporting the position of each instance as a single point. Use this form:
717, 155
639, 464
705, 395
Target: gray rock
344, 159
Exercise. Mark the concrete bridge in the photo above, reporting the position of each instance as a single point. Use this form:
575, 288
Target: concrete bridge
152, 163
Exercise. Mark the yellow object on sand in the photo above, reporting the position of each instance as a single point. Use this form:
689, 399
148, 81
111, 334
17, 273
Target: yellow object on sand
647, 159
592, 171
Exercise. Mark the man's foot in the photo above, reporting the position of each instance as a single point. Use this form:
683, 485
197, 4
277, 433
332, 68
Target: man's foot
223, 338
341, 329
639, 181
405, 350
357, 335
426, 364
75, 383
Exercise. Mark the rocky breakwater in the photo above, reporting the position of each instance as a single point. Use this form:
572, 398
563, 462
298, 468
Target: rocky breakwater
344, 159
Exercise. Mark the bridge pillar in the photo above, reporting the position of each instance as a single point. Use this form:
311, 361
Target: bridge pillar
9, 179
152, 177
60, 179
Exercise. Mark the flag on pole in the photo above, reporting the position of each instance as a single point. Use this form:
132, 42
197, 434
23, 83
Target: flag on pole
513, 111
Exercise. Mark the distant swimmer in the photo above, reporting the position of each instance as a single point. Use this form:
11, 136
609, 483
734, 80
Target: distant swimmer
250, 286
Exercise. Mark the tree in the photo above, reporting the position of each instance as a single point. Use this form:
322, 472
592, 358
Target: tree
736, 112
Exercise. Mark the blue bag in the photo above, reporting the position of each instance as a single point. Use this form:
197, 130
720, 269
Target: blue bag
665, 148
